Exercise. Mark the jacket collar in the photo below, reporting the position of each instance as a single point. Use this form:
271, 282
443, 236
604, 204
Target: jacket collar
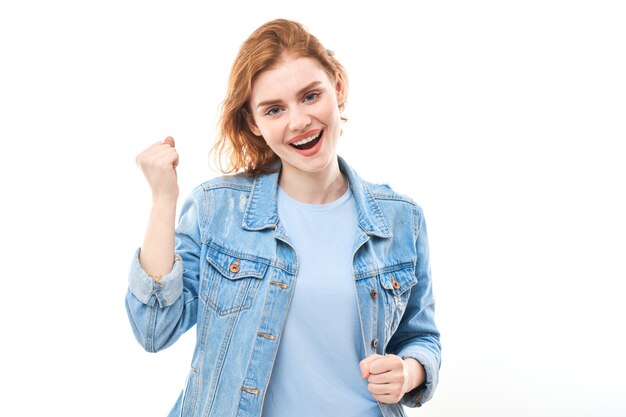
262, 211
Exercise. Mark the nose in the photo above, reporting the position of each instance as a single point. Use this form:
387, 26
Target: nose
298, 119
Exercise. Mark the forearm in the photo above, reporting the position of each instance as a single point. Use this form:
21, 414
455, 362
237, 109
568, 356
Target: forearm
157, 252
416, 373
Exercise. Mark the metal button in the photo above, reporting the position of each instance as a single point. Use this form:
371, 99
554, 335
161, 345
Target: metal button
374, 294
234, 268
375, 343
395, 283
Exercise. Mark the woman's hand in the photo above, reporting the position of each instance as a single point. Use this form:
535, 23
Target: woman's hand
390, 377
158, 163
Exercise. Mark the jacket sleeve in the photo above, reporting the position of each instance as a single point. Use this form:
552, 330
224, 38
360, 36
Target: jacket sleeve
160, 313
417, 335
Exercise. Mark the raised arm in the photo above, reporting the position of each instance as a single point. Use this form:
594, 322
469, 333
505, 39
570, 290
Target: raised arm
163, 281
158, 163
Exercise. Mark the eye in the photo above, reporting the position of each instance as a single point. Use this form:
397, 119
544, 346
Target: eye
311, 96
272, 111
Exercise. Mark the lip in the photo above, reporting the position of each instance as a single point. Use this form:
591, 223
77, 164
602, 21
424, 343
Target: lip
315, 149
310, 133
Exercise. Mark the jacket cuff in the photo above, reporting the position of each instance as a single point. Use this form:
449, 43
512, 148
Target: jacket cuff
167, 291
424, 392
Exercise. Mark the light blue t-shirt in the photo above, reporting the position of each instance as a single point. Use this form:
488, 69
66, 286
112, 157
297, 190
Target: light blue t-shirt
316, 372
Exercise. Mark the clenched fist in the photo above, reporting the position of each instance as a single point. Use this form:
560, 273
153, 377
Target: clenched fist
158, 163
390, 377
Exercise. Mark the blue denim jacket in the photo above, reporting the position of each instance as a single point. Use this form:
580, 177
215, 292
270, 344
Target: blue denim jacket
234, 276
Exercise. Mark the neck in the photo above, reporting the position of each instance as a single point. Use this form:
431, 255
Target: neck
313, 187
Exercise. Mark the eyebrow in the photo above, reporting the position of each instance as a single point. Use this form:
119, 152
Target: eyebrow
300, 92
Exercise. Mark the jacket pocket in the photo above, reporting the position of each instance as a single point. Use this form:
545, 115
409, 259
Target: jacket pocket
230, 281
396, 283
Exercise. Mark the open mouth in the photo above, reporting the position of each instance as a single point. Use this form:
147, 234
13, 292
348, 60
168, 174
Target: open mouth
308, 143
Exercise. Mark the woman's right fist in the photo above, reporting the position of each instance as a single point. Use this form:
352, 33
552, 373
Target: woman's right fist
158, 163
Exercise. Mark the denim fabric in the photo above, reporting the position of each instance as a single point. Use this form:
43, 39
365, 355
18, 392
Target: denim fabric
234, 277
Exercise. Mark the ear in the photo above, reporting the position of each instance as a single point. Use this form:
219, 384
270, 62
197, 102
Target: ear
340, 89
252, 124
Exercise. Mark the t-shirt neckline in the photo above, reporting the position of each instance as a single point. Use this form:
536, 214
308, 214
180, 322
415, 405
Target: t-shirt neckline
316, 207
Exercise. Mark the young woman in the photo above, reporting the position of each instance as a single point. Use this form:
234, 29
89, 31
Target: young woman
309, 287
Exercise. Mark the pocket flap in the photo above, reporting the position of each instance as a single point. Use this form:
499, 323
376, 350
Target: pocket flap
398, 281
234, 267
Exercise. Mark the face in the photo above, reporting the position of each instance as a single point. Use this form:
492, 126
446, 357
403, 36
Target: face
294, 107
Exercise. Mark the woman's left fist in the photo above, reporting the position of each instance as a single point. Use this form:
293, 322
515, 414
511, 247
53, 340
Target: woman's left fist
388, 376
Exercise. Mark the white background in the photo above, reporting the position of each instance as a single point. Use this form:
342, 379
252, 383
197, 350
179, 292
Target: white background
505, 120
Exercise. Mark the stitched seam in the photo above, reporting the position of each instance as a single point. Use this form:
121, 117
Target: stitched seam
236, 254
239, 255
150, 343
210, 186
386, 269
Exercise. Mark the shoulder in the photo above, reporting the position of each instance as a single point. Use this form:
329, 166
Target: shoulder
215, 190
219, 202
397, 205
394, 206
384, 194
239, 181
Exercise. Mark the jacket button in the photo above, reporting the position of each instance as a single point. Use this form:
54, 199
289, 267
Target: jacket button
375, 343
234, 268
374, 294
395, 283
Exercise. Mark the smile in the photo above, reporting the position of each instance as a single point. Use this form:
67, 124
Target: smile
307, 143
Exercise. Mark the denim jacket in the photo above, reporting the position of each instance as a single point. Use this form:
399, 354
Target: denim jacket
234, 275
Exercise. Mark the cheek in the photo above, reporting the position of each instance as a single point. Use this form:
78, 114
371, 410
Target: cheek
268, 131
332, 110
271, 136
333, 116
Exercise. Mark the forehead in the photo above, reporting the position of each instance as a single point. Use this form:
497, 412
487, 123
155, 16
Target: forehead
285, 78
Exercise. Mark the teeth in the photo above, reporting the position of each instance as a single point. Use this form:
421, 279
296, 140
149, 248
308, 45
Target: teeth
305, 140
